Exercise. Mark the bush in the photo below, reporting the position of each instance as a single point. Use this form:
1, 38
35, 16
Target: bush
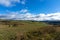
48, 29
45, 33
12, 37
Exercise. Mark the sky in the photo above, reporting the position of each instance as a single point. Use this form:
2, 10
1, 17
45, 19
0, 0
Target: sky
38, 10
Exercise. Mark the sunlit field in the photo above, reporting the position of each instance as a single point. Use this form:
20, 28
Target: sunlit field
23, 30
14, 28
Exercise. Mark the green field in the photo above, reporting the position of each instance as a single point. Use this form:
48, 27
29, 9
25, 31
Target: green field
20, 28
13, 30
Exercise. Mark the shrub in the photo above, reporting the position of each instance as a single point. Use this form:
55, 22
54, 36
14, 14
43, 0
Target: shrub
12, 37
45, 33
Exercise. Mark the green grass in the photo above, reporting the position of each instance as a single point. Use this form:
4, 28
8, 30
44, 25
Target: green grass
7, 32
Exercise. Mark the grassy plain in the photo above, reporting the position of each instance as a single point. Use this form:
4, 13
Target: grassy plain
22, 26
14, 30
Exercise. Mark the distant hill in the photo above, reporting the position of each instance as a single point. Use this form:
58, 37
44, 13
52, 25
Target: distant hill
48, 22
52, 22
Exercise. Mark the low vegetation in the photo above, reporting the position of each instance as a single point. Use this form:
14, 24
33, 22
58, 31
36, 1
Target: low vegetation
28, 30
45, 33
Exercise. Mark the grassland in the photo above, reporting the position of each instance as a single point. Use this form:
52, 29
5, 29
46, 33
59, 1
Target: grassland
22, 26
12, 30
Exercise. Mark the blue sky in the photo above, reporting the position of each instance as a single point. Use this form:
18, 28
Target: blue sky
30, 9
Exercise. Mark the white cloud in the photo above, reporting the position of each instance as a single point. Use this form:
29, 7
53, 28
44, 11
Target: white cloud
8, 3
40, 17
26, 15
23, 10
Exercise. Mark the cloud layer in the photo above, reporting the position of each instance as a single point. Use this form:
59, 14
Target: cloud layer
8, 3
24, 14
